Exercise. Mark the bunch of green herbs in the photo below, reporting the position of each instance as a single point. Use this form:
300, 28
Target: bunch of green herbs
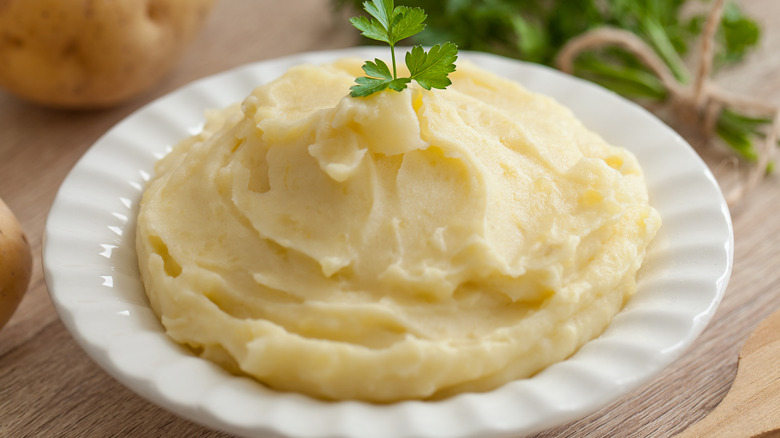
535, 30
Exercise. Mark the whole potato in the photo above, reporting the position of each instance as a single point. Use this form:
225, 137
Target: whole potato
15, 263
92, 53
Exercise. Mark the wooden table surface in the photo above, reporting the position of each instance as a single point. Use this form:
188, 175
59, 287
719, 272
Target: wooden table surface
50, 388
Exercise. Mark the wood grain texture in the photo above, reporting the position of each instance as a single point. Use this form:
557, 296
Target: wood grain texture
50, 388
752, 405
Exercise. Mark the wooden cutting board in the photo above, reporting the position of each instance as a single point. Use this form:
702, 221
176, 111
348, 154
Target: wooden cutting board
752, 406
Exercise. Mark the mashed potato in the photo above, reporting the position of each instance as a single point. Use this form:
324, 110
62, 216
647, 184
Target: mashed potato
409, 244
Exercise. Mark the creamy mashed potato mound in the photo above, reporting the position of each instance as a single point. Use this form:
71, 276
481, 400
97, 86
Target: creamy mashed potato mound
411, 244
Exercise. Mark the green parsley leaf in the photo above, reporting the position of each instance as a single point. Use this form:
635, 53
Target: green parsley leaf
392, 24
371, 28
368, 86
379, 79
408, 23
377, 69
430, 69
382, 11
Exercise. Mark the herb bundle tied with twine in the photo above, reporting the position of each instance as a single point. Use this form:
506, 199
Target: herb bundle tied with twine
635, 48
698, 105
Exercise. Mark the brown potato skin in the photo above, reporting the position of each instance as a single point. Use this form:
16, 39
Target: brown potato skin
84, 54
15, 263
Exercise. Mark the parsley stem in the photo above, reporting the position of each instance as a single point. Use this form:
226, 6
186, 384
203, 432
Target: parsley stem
392, 56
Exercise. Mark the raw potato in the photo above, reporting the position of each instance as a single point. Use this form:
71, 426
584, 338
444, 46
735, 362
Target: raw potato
15, 263
92, 53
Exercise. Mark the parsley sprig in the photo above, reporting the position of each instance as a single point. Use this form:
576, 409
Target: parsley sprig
392, 24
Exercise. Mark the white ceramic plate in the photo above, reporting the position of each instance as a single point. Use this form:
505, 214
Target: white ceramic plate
90, 268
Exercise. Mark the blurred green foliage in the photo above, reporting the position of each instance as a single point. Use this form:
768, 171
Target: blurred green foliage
535, 30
